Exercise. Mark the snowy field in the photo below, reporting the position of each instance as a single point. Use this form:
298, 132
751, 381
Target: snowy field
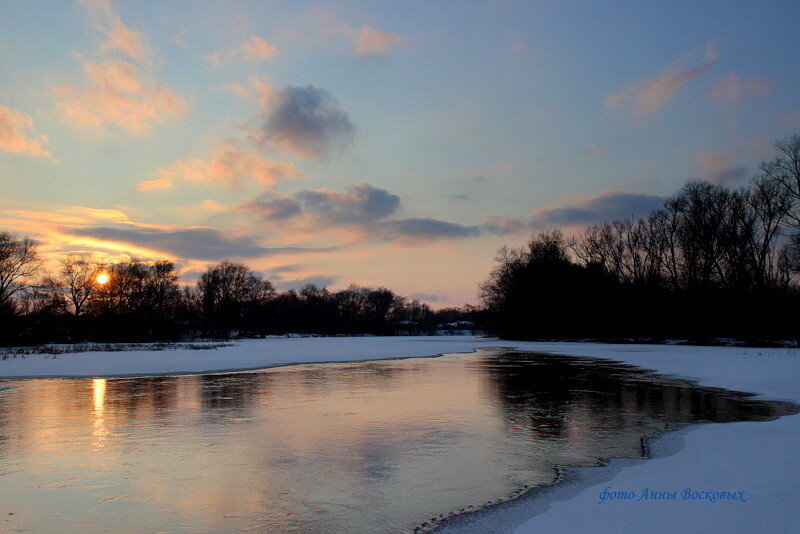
760, 459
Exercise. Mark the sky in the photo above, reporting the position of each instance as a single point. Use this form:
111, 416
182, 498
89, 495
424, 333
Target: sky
383, 143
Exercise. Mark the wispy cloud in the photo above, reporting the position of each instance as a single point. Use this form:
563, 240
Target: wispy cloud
254, 49
606, 206
652, 94
188, 243
424, 229
113, 235
119, 38
370, 42
732, 89
718, 169
259, 89
14, 128
116, 92
228, 166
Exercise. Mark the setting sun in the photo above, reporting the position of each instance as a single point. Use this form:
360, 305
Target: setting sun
102, 279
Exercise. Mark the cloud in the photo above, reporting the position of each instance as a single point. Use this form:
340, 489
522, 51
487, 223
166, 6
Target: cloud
606, 206
254, 49
732, 89
370, 42
424, 230
318, 280
229, 166
119, 38
305, 121
718, 169
651, 95
271, 207
276, 272
116, 93
259, 89
761, 148
155, 184
180, 39
361, 203
362, 207
190, 243
13, 126
426, 297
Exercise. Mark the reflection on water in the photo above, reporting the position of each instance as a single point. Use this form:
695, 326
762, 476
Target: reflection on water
365, 447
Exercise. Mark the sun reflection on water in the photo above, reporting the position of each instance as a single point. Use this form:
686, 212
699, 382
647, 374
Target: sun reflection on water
99, 430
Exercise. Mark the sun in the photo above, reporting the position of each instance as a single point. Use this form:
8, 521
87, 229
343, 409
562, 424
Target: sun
102, 279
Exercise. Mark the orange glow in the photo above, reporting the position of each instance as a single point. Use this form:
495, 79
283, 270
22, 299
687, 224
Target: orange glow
102, 279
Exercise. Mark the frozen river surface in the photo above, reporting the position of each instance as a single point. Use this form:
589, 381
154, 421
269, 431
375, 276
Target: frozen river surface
380, 446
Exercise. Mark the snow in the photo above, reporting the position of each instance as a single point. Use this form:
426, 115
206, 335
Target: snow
760, 459
246, 354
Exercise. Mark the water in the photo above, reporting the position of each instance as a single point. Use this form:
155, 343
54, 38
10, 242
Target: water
367, 447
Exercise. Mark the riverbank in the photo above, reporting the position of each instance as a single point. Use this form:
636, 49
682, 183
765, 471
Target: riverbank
759, 459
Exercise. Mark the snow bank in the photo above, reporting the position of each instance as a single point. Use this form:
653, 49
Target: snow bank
246, 354
760, 459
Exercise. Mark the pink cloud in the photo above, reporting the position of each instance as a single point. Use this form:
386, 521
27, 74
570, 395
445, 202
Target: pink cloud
13, 126
254, 49
229, 166
651, 95
119, 37
718, 169
117, 94
154, 184
372, 42
259, 90
732, 89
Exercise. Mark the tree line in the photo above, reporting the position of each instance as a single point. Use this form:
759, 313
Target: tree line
714, 261
84, 300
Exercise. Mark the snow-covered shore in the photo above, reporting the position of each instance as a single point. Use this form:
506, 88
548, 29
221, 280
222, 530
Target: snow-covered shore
760, 459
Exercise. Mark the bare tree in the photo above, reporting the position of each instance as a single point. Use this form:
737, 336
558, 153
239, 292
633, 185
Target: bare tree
228, 288
18, 261
785, 170
76, 280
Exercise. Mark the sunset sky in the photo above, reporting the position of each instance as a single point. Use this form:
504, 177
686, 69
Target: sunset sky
394, 143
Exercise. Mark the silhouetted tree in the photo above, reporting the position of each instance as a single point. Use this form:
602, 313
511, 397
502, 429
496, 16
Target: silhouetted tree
231, 294
75, 281
18, 262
